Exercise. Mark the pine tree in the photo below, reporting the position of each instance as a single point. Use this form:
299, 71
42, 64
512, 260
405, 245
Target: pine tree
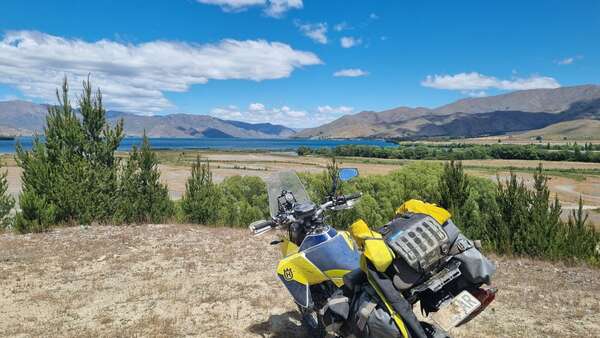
7, 202
142, 198
73, 172
454, 189
202, 197
544, 217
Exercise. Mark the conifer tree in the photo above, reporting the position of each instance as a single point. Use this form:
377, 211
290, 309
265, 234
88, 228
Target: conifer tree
7, 202
142, 197
200, 203
73, 171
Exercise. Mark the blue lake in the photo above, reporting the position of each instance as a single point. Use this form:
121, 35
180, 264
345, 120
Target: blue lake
8, 146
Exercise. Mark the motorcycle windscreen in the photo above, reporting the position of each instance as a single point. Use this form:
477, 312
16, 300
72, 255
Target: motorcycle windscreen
288, 181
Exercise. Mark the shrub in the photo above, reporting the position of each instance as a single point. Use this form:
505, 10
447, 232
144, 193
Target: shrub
37, 214
200, 203
142, 198
7, 202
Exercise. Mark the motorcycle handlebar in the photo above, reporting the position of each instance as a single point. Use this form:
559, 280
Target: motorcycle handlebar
353, 196
260, 226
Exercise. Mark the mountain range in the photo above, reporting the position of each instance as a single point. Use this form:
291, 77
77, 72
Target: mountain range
27, 118
513, 112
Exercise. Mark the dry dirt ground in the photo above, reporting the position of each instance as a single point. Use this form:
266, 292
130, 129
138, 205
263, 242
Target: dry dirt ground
181, 280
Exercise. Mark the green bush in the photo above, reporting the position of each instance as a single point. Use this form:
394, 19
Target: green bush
461, 151
37, 213
200, 203
7, 202
142, 198
74, 169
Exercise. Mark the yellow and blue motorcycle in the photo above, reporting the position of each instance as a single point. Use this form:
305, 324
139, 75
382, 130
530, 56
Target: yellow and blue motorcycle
365, 283
316, 256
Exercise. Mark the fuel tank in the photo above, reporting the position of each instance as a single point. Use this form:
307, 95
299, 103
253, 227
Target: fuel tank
326, 256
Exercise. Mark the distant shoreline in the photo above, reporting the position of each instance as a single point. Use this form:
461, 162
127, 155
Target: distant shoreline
220, 144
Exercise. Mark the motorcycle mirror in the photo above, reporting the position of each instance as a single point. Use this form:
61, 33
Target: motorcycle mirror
346, 174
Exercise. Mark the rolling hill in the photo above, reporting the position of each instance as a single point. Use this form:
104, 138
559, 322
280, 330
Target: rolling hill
584, 129
27, 118
471, 117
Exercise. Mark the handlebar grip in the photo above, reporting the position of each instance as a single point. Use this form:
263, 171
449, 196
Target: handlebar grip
353, 196
258, 226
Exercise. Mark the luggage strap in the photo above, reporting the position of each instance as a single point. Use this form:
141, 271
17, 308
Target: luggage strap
364, 313
332, 301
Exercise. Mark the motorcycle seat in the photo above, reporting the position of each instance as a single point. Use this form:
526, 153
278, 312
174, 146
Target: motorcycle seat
354, 278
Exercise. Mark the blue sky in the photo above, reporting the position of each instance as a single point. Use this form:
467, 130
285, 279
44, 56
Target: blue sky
300, 63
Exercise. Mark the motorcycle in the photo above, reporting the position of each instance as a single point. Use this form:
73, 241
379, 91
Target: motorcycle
316, 256
365, 283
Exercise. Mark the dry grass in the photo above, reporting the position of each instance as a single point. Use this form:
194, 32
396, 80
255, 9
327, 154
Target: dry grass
180, 280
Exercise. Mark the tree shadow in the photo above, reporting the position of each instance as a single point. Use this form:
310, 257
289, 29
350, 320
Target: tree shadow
285, 325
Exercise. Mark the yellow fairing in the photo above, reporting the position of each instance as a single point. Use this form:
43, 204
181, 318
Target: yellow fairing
337, 276
415, 206
296, 267
372, 244
288, 248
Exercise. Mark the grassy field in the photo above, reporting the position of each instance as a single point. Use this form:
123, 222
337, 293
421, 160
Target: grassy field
181, 280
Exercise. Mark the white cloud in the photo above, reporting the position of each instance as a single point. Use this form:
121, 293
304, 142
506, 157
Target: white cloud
569, 60
477, 82
272, 8
373, 16
316, 31
134, 77
277, 8
351, 72
327, 109
348, 42
566, 61
259, 113
284, 115
341, 26
234, 5
474, 93
256, 107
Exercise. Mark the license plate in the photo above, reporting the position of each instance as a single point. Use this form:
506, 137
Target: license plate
456, 311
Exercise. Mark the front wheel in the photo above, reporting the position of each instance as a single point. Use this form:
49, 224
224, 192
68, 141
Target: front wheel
312, 324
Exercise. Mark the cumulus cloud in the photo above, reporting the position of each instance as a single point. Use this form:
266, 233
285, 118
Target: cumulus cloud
256, 107
259, 113
349, 42
327, 109
477, 82
272, 8
315, 31
284, 115
351, 72
134, 77
277, 8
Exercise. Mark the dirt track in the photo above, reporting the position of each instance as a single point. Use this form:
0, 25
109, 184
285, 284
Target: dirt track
179, 280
